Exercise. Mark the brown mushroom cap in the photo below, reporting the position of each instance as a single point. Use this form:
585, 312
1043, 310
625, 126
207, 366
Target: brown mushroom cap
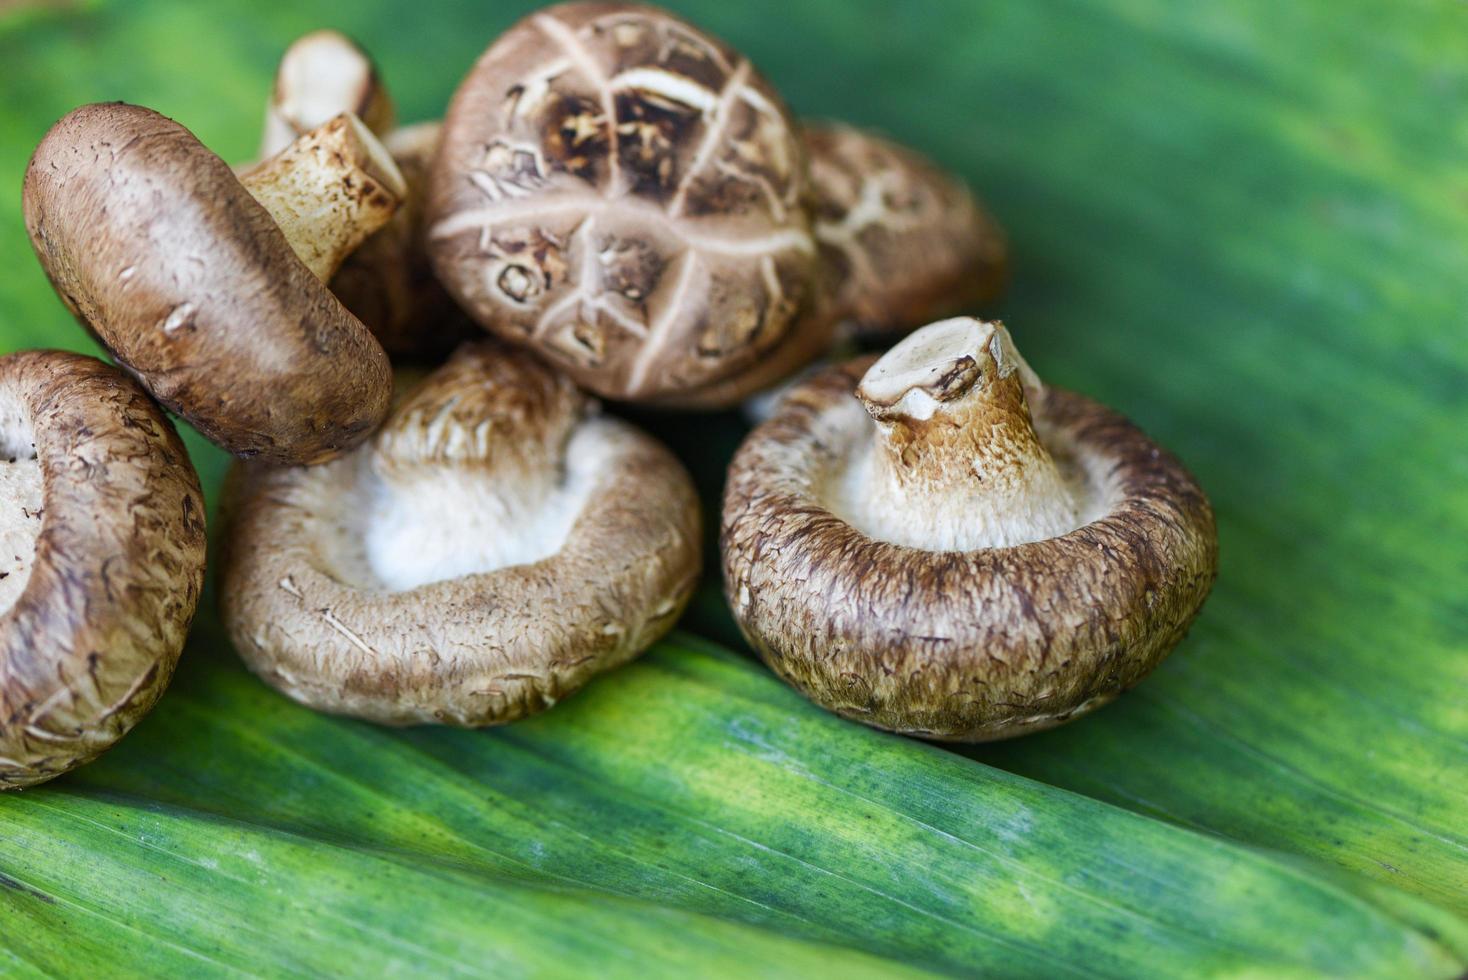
627, 195
102, 557
190, 282
493, 547
905, 243
971, 557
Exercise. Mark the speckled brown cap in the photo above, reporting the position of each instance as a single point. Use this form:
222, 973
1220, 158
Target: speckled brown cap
905, 243
101, 559
938, 544
493, 547
193, 286
628, 196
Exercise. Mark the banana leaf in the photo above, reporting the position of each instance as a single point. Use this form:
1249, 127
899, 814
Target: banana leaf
1242, 225
127, 888
691, 780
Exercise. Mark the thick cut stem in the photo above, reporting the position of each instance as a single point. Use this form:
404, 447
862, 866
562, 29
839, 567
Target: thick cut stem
955, 463
328, 191
322, 74
476, 470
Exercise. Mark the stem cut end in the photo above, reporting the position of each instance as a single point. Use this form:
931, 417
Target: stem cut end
320, 75
954, 462
328, 191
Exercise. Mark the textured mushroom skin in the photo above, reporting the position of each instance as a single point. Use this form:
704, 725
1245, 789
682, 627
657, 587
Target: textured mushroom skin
474, 649
967, 646
904, 242
155, 246
628, 196
91, 641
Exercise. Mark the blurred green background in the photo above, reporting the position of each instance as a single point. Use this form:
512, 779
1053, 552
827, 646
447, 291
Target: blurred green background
1242, 223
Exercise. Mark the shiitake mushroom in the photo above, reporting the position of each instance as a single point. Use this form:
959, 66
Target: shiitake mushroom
495, 545
937, 543
210, 288
101, 559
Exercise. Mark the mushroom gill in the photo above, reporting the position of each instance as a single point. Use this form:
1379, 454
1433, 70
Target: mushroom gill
486, 468
21, 498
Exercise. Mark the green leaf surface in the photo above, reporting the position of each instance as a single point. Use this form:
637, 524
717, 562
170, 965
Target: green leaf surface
168, 891
1244, 224
694, 781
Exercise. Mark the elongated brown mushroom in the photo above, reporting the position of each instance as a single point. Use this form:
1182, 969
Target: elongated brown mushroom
209, 288
627, 195
938, 544
905, 243
101, 559
493, 547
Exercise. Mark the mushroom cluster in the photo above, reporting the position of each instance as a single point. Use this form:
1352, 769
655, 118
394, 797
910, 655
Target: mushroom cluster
616, 204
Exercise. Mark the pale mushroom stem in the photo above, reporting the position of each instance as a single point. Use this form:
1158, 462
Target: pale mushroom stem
328, 191
321, 74
957, 464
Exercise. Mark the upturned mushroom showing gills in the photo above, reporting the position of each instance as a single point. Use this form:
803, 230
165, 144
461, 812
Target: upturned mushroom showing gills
210, 288
627, 195
495, 545
101, 559
939, 544
904, 243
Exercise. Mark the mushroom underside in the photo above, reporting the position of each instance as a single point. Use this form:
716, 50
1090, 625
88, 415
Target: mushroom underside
21, 499
845, 487
102, 526
424, 610
453, 523
973, 645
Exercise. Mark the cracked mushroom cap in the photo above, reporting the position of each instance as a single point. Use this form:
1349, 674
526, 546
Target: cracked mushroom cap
939, 544
208, 287
493, 547
626, 195
905, 243
101, 560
